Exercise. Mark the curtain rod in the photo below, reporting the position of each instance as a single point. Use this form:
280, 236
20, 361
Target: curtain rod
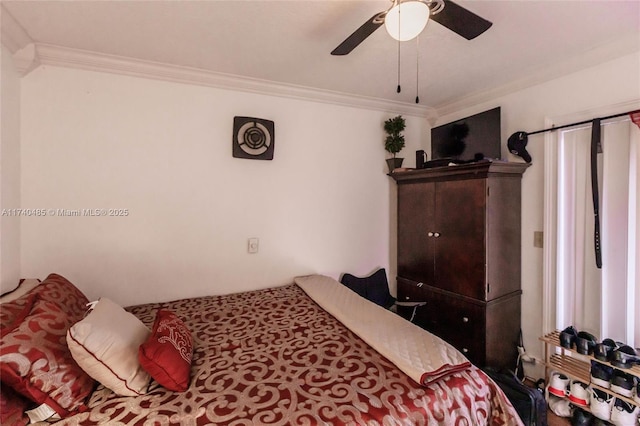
582, 122
517, 145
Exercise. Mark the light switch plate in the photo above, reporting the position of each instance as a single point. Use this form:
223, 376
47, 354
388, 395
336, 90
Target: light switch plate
253, 245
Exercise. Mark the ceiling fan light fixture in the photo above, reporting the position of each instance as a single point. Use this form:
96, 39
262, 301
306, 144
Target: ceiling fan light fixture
406, 19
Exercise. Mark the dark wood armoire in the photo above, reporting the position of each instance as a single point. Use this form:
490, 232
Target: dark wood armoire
459, 245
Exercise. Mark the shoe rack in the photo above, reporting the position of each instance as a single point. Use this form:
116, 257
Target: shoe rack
577, 366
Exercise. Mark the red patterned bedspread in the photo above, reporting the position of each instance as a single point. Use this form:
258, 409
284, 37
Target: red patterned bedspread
274, 357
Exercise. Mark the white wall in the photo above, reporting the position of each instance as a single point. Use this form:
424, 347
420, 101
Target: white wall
324, 204
163, 151
610, 83
9, 172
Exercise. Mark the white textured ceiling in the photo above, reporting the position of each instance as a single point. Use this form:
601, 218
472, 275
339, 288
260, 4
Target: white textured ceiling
290, 41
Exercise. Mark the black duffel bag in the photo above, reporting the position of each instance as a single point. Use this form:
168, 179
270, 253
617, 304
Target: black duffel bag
528, 402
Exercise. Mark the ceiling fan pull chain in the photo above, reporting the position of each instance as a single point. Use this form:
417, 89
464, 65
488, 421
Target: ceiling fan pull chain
399, 89
417, 69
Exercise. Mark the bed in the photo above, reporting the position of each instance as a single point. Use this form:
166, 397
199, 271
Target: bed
277, 356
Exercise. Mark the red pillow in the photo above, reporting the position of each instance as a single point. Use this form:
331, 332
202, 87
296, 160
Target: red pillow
12, 408
35, 361
166, 355
56, 289
69, 298
13, 313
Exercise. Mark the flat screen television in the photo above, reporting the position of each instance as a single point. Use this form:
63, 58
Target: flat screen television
472, 138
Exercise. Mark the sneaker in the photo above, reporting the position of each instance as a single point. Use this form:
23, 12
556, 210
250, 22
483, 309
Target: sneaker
561, 407
558, 385
624, 413
622, 383
601, 403
578, 393
601, 374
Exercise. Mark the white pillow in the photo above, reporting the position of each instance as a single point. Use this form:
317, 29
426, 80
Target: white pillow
105, 345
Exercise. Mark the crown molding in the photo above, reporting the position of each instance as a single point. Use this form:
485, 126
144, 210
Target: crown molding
579, 62
47, 54
26, 59
12, 35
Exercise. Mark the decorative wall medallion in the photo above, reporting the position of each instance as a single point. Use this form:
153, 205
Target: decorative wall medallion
253, 138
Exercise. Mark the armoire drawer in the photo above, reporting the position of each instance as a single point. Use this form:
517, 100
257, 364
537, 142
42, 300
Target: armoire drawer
470, 347
410, 291
443, 314
460, 323
457, 320
453, 317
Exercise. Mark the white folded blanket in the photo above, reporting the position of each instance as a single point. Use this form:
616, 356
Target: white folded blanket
421, 355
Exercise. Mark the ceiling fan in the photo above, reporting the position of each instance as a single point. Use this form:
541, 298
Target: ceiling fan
415, 14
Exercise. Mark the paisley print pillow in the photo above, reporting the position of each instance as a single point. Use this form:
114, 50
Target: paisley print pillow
35, 360
64, 294
14, 312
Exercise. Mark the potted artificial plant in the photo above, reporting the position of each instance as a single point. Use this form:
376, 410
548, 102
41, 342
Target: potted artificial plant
394, 141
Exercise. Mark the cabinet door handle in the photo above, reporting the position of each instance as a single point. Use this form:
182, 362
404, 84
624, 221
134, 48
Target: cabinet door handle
465, 319
420, 284
436, 234
465, 350
430, 234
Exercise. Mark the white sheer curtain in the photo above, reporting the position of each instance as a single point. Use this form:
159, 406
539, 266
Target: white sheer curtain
579, 279
605, 302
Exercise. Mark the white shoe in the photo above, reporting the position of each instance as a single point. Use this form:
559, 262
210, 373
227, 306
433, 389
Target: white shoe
624, 413
558, 385
601, 374
601, 403
622, 383
578, 393
561, 407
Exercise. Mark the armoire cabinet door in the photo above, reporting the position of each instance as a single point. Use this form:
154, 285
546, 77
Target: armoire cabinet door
415, 247
460, 253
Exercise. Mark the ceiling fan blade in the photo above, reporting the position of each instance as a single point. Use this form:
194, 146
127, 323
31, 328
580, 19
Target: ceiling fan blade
461, 21
360, 34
